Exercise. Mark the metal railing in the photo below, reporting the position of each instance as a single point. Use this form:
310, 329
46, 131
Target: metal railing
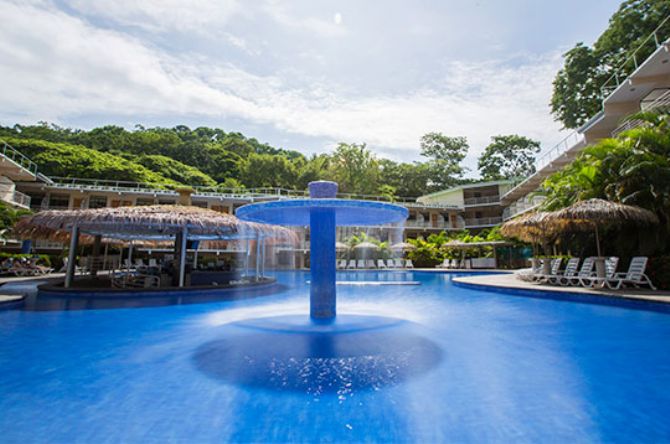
522, 205
480, 221
548, 156
21, 199
662, 102
650, 44
481, 200
248, 194
14, 155
9, 194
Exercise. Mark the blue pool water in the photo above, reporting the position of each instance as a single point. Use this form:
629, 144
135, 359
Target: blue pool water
423, 363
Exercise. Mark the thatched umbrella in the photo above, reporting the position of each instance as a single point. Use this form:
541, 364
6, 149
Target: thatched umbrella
366, 246
153, 223
339, 246
403, 246
529, 227
592, 213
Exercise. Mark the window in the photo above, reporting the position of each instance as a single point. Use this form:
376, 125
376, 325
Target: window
59, 201
144, 201
97, 202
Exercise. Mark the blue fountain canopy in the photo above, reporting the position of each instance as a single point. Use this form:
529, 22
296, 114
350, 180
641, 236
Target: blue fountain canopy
347, 212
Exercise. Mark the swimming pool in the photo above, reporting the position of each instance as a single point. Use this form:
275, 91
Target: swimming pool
430, 362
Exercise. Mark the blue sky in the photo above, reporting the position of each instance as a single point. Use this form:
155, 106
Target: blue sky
297, 74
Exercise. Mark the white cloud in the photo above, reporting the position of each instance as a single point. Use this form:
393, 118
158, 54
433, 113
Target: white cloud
199, 16
321, 27
70, 68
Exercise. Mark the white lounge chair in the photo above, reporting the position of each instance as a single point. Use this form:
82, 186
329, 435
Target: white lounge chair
409, 264
610, 270
360, 264
634, 276
380, 264
398, 263
541, 278
352, 264
370, 264
571, 269
584, 272
153, 263
342, 264
390, 263
445, 264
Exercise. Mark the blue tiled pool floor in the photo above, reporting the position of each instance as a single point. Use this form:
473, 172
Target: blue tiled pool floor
421, 363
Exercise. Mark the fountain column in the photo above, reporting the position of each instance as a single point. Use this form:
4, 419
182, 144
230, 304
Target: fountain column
322, 252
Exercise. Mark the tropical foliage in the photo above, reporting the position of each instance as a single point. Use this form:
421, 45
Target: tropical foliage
432, 250
632, 168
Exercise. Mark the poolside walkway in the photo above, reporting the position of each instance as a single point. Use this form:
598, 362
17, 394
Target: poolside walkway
510, 281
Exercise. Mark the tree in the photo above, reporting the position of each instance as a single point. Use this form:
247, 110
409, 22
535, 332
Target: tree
268, 170
445, 154
354, 168
577, 96
508, 157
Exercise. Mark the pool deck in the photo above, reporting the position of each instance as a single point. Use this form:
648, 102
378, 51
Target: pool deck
510, 281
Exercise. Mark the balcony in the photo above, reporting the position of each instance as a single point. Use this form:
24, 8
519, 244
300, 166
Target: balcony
15, 198
660, 103
522, 205
482, 222
659, 37
549, 162
15, 165
481, 201
427, 225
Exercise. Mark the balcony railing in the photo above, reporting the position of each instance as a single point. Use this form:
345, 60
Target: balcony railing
557, 150
522, 205
246, 194
650, 44
10, 153
481, 200
482, 221
430, 225
11, 196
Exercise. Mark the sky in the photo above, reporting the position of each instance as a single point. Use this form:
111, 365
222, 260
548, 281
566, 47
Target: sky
301, 75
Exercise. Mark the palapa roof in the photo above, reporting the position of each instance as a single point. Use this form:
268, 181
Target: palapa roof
404, 246
155, 222
583, 215
528, 227
603, 212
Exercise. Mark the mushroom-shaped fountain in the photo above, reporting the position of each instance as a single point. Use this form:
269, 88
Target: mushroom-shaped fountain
323, 212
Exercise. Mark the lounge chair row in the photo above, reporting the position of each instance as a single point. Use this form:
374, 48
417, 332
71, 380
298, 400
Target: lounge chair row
369, 264
586, 276
24, 268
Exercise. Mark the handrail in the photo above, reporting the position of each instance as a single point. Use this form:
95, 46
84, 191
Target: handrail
18, 158
481, 200
606, 90
483, 221
239, 193
561, 147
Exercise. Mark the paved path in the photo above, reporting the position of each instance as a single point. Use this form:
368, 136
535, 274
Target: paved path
509, 280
